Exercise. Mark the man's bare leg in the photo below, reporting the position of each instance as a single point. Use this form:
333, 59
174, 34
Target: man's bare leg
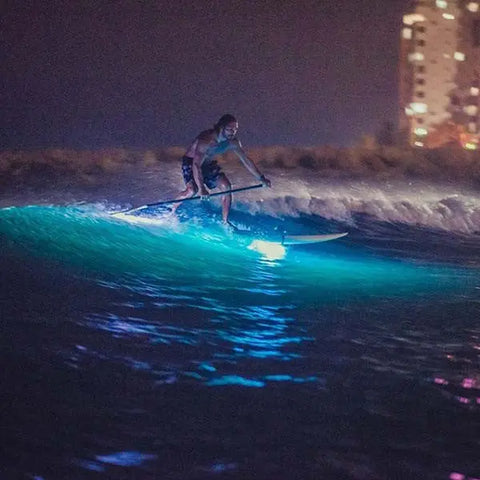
224, 184
190, 191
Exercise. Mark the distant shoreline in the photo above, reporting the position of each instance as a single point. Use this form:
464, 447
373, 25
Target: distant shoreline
388, 163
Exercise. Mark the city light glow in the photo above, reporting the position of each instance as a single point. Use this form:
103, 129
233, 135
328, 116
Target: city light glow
418, 107
412, 18
472, 7
407, 33
449, 88
421, 132
416, 57
471, 110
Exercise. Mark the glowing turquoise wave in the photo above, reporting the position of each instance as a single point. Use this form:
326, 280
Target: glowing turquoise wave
192, 264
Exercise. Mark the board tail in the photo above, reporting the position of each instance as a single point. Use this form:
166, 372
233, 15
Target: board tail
305, 239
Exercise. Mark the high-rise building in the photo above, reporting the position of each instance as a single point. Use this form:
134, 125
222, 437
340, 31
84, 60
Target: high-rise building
440, 73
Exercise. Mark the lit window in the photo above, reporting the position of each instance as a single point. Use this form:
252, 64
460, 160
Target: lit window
459, 56
471, 146
419, 107
409, 111
447, 55
474, 91
416, 57
473, 7
448, 16
421, 131
407, 33
470, 110
412, 18
441, 4
418, 144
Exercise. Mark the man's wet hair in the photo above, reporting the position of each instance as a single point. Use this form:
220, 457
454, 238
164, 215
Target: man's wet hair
223, 121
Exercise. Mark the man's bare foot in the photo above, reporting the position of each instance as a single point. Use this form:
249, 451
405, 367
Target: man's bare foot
229, 226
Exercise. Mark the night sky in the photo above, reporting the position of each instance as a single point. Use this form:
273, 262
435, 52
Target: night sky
131, 73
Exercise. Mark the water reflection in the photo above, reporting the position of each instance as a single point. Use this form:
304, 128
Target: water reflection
260, 333
461, 380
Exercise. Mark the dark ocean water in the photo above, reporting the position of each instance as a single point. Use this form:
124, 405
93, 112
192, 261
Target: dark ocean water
175, 351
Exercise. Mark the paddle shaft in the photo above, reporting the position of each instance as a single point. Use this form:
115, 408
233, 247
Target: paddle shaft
195, 197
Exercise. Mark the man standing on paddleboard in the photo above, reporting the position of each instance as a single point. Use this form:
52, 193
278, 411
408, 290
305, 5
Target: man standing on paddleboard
200, 170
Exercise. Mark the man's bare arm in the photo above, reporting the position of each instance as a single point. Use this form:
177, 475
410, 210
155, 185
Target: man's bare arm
250, 164
198, 157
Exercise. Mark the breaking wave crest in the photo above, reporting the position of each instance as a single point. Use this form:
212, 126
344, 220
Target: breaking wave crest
432, 210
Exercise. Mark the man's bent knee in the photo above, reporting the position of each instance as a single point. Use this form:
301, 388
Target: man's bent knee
224, 183
191, 190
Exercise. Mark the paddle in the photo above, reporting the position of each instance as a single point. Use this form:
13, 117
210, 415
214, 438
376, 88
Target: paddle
196, 197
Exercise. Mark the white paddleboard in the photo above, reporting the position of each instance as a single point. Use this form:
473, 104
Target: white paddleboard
139, 220
286, 239
304, 239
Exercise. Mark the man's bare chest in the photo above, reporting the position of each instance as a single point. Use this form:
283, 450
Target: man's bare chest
217, 148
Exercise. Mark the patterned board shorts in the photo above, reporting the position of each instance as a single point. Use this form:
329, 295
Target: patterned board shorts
211, 171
